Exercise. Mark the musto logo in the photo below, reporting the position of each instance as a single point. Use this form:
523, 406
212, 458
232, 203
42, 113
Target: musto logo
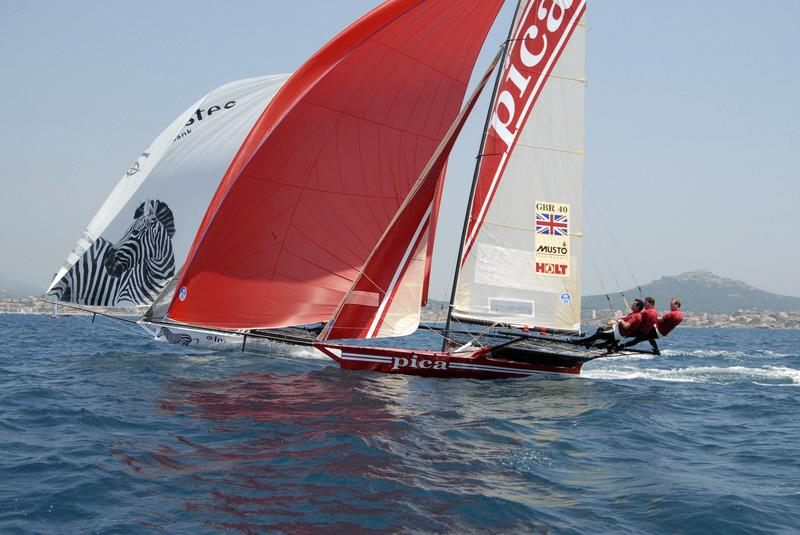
551, 269
413, 362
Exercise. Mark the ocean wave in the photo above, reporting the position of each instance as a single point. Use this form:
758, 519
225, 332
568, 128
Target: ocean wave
723, 353
202, 358
307, 353
765, 375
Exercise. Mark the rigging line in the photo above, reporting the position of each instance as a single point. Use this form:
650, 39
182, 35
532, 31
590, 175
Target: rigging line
597, 269
502, 52
474, 338
605, 256
88, 310
599, 276
614, 240
114, 327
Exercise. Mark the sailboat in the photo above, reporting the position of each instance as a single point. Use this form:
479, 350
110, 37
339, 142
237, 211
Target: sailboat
326, 193
517, 278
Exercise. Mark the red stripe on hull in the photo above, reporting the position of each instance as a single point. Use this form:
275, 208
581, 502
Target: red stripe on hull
476, 365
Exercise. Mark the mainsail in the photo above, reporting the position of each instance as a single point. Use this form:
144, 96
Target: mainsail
520, 265
128, 252
328, 164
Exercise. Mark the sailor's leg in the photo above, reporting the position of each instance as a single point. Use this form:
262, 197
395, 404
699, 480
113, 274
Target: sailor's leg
633, 342
655, 346
589, 340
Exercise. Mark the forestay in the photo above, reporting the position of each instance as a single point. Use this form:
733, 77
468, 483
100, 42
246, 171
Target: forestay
521, 261
142, 232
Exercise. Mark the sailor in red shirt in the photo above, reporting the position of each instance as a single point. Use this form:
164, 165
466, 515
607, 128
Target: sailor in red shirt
671, 319
622, 328
647, 326
663, 326
649, 316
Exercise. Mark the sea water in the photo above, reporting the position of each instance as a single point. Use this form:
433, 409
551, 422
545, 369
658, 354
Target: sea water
103, 430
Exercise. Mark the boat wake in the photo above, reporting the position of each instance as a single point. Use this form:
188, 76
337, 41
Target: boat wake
700, 353
764, 375
301, 352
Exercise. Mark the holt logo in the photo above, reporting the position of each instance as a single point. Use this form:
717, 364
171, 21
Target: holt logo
551, 269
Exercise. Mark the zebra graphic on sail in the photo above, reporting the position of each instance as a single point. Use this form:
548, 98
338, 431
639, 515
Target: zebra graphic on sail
132, 271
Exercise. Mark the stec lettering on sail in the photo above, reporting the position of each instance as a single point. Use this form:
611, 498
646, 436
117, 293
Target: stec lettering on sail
535, 47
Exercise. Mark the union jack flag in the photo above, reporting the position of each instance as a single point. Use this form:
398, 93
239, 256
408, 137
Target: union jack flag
551, 224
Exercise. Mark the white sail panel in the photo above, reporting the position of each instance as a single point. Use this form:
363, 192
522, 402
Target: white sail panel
142, 232
403, 311
522, 265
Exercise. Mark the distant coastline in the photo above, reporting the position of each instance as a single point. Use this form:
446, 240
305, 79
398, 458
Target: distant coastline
35, 306
750, 319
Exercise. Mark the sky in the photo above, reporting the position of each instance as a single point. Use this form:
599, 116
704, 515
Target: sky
692, 123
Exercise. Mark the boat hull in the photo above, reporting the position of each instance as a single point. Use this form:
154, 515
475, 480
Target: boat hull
195, 337
479, 364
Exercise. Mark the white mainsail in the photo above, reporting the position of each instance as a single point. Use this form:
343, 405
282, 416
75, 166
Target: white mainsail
162, 196
521, 265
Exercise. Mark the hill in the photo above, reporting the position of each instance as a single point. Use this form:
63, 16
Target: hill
703, 291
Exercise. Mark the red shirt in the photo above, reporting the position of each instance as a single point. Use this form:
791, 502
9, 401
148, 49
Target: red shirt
634, 318
669, 321
649, 318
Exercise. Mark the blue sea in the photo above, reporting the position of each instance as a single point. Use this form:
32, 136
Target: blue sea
103, 430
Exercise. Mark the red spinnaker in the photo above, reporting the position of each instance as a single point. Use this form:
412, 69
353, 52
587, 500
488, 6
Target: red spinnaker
327, 165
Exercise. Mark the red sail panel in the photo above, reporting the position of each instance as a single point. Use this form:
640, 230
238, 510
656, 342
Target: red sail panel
540, 34
437, 201
327, 165
393, 269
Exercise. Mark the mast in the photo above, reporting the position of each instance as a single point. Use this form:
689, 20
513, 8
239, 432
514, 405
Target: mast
471, 197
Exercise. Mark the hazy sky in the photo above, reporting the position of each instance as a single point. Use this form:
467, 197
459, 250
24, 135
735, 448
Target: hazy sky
692, 123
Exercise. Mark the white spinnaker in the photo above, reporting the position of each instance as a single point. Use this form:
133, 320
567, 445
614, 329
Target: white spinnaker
133, 178
182, 167
498, 282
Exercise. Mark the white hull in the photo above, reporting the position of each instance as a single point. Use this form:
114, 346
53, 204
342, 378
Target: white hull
194, 337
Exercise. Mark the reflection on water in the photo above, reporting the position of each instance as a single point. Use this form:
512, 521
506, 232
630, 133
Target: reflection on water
329, 449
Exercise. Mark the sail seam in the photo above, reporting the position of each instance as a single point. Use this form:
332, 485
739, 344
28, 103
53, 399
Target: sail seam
577, 152
319, 190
